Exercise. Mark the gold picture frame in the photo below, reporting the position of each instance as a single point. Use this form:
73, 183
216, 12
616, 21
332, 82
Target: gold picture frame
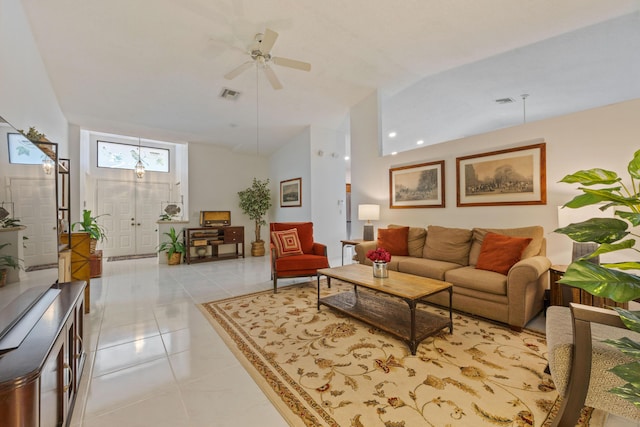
417, 186
514, 176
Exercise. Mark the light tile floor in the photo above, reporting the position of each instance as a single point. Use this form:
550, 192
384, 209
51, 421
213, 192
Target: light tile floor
154, 360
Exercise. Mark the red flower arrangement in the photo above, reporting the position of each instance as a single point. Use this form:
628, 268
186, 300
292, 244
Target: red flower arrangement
379, 255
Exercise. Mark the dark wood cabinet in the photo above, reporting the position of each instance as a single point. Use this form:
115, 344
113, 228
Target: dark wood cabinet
39, 380
213, 243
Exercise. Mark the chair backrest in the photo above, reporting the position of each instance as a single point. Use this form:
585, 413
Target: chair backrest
305, 232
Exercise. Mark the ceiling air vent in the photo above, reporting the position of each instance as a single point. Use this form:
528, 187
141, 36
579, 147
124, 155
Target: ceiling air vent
229, 94
505, 100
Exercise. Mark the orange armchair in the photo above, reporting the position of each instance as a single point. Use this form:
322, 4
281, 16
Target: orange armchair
307, 263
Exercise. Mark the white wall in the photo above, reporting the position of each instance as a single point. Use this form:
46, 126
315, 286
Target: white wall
604, 137
26, 95
293, 160
317, 156
216, 175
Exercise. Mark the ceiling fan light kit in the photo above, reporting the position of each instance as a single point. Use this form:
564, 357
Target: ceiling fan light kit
260, 54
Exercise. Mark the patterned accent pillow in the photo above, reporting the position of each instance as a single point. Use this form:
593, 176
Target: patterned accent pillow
286, 242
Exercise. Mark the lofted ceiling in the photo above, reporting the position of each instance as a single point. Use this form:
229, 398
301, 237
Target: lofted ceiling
154, 68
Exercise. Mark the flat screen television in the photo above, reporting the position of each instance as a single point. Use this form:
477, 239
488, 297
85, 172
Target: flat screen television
215, 218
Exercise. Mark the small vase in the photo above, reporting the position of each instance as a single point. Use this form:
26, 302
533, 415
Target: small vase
380, 270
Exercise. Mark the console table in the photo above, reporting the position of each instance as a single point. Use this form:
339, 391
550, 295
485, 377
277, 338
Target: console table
205, 243
40, 378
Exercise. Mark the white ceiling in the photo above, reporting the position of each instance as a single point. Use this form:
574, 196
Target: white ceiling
154, 68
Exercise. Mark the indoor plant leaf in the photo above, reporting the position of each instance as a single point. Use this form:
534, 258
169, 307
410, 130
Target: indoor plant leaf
598, 230
631, 319
632, 217
608, 194
628, 392
583, 200
634, 165
592, 177
601, 281
612, 247
629, 372
629, 265
627, 346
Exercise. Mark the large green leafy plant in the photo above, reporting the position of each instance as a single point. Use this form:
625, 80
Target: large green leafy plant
255, 201
618, 280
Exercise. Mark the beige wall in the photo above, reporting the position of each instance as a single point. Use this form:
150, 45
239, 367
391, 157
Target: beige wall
603, 137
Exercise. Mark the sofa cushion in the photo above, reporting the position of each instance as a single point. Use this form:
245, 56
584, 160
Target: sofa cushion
305, 233
424, 267
394, 240
286, 242
499, 252
535, 246
447, 244
478, 280
415, 241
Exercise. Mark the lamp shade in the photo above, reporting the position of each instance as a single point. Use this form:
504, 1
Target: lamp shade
368, 212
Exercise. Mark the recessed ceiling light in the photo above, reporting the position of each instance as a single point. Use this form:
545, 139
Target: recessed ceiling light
392, 134
346, 157
394, 153
420, 142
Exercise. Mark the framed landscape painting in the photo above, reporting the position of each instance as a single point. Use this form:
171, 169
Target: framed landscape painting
417, 186
291, 193
515, 176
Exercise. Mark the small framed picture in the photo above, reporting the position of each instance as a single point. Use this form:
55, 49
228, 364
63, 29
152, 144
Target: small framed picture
417, 186
291, 193
515, 176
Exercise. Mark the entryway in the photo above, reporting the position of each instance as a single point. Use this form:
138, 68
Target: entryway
133, 209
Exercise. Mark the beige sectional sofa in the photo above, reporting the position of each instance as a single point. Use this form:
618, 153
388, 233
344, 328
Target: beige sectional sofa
451, 254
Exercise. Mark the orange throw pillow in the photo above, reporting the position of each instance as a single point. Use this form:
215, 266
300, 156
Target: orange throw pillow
286, 242
499, 252
394, 240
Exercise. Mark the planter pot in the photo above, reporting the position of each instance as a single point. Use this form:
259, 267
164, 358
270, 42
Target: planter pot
174, 259
92, 246
3, 277
257, 248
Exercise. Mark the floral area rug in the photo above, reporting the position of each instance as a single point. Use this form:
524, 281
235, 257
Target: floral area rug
321, 368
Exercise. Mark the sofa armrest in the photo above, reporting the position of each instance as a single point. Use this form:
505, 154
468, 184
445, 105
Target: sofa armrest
319, 249
363, 248
526, 283
529, 269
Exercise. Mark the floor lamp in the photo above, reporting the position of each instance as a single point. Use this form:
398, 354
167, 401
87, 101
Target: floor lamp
368, 213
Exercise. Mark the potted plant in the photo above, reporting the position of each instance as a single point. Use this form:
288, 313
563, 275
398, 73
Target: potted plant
255, 201
173, 247
6, 262
610, 280
89, 225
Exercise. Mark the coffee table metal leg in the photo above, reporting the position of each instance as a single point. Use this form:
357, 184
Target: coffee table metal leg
413, 345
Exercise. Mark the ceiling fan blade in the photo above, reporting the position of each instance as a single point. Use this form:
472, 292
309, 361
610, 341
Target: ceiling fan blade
271, 76
291, 63
268, 40
237, 71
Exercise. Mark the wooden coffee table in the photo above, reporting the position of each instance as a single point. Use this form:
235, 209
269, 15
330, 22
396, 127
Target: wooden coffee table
389, 315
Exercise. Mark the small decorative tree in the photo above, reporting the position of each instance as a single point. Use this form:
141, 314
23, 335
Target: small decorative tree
255, 201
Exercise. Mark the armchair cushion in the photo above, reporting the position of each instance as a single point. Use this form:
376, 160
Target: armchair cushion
286, 243
300, 265
305, 233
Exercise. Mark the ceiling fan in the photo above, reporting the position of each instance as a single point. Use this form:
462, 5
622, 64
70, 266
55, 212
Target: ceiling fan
260, 54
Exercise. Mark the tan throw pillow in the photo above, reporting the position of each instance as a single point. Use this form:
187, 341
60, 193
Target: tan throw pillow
448, 244
415, 241
286, 242
499, 252
394, 240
